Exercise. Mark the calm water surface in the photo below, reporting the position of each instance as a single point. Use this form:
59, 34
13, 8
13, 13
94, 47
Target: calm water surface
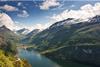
37, 60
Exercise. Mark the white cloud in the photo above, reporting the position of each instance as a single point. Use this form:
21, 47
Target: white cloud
60, 7
19, 4
9, 8
8, 22
19, 25
72, 6
38, 26
23, 13
86, 11
49, 3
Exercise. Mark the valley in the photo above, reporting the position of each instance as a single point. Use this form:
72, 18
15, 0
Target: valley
75, 43
49, 33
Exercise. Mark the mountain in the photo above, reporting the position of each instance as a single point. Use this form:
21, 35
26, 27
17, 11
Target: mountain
28, 36
8, 40
70, 42
64, 32
23, 31
7, 33
7, 36
68, 21
33, 33
95, 19
8, 49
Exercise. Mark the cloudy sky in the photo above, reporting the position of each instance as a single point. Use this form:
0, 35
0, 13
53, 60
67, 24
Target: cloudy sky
41, 14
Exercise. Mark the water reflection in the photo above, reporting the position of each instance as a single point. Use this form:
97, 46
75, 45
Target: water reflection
35, 59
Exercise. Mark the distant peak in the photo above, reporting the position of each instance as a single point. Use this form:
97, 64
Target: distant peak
4, 26
95, 19
70, 18
67, 21
97, 16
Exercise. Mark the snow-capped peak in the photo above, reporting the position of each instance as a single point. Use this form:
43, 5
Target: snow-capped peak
95, 19
68, 21
23, 31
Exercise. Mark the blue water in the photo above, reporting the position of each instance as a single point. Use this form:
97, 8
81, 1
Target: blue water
35, 59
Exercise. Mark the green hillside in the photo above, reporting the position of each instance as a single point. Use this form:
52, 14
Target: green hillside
75, 43
8, 50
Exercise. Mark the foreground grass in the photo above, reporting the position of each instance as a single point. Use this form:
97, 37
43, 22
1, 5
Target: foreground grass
11, 61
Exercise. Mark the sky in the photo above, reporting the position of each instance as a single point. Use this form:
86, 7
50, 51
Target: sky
42, 13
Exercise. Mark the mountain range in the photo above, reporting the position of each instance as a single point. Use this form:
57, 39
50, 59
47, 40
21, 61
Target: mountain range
22, 31
66, 42
68, 33
70, 38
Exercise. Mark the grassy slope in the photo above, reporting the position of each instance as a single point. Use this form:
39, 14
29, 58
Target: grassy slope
8, 50
11, 61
